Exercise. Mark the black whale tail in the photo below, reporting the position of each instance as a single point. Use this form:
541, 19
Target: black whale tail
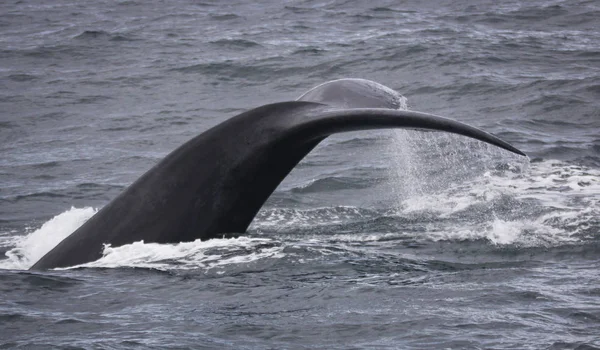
216, 182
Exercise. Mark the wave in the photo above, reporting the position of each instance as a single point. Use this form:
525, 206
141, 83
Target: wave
235, 43
333, 184
259, 70
102, 35
22, 77
224, 16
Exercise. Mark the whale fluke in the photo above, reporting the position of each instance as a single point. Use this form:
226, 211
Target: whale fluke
216, 182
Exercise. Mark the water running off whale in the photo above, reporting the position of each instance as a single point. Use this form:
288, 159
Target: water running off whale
217, 182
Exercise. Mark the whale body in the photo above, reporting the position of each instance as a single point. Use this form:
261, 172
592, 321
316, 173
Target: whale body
216, 182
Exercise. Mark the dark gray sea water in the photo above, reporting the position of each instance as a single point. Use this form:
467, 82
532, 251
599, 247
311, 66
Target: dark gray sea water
388, 239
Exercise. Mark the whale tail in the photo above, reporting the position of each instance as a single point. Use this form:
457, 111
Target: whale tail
217, 182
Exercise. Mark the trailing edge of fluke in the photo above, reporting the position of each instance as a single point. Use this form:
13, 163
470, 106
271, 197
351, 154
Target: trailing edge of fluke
216, 182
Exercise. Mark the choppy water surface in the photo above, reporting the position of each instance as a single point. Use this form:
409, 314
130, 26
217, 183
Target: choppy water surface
392, 239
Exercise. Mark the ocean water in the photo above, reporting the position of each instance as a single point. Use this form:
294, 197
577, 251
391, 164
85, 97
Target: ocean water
377, 240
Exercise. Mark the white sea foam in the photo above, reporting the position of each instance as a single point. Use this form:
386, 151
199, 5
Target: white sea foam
285, 217
534, 232
551, 204
209, 254
551, 183
31, 247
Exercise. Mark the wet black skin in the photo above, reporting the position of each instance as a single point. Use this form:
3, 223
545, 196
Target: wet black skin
216, 182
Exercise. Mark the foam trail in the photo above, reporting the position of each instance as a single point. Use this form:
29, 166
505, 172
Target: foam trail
210, 254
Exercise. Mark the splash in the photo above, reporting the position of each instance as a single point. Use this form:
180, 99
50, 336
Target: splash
477, 191
36, 244
545, 203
